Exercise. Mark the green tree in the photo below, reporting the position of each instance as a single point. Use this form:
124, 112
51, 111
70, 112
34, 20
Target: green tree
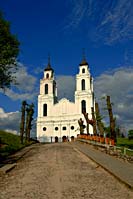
9, 50
130, 134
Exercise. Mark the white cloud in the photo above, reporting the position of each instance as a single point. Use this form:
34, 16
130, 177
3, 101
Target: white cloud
108, 21
26, 88
76, 15
9, 121
119, 85
117, 22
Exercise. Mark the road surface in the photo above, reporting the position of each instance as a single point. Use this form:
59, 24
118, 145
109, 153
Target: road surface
60, 171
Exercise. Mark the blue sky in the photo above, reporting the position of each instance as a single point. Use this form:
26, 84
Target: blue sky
63, 28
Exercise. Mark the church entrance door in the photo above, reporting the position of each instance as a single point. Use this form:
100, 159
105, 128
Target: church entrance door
64, 138
56, 139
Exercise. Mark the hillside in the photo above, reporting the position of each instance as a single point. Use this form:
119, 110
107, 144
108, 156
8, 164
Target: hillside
10, 143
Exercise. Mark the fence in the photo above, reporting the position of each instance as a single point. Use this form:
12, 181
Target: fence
107, 143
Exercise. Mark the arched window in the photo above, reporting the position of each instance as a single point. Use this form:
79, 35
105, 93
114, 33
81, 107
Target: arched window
83, 70
44, 109
83, 84
46, 88
83, 106
47, 75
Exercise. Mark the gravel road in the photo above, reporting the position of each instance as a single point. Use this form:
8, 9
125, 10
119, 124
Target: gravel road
60, 171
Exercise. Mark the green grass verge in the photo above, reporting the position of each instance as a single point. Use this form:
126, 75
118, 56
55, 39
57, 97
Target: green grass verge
125, 142
10, 143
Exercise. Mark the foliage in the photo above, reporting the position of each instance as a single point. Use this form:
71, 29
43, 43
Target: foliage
130, 134
9, 49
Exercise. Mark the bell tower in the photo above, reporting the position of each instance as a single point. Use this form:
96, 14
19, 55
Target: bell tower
84, 96
48, 92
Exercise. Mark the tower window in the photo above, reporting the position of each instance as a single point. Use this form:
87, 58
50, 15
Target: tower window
64, 128
83, 70
46, 88
83, 106
44, 109
47, 75
83, 84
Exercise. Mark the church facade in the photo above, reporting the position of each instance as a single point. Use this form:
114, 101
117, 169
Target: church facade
58, 120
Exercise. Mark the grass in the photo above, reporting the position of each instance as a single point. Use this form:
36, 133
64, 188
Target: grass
125, 142
10, 143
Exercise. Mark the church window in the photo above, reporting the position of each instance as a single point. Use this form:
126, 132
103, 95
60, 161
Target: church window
44, 109
83, 106
83, 70
56, 128
72, 127
64, 128
44, 128
54, 87
83, 84
47, 75
46, 88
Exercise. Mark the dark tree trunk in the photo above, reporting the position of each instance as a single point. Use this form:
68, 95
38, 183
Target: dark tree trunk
111, 118
87, 123
94, 121
81, 126
22, 124
29, 118
99, 121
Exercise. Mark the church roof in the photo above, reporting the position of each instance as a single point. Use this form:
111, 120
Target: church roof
48, 67
83, 62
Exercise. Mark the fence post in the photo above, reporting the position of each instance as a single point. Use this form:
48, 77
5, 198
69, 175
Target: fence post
124, 151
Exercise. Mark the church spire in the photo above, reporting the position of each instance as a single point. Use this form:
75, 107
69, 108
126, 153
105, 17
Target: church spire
83, 62
48, 68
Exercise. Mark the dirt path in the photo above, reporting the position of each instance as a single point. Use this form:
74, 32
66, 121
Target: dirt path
59, 171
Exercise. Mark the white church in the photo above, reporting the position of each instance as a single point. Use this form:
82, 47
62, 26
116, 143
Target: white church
57, 121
